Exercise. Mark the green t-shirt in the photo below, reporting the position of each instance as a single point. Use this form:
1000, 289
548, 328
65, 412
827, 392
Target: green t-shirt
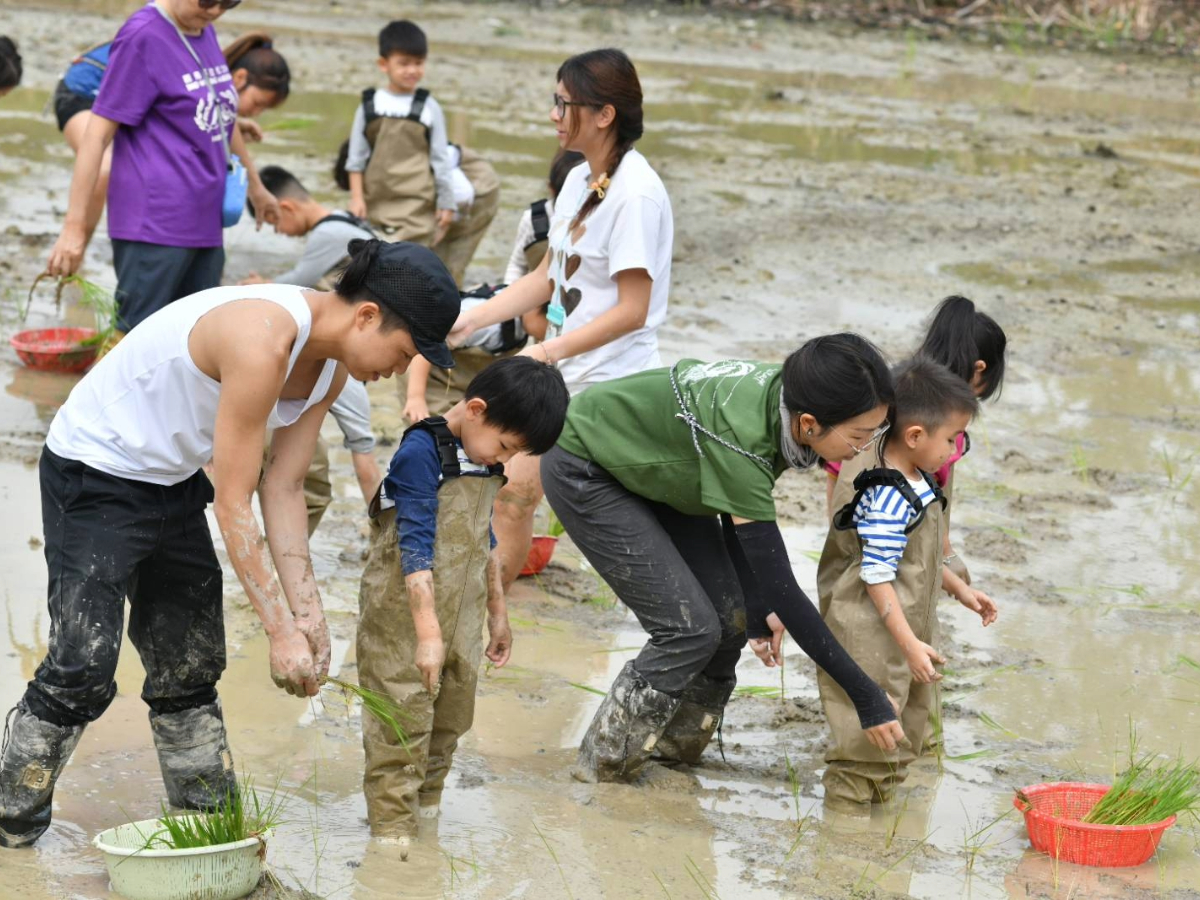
630, 427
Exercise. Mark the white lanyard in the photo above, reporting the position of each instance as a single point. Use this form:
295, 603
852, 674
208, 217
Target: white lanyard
212, 92
556, 315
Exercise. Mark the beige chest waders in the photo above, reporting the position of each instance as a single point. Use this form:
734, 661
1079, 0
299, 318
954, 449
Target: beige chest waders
856, 771
399, 779
458, 247
398, 183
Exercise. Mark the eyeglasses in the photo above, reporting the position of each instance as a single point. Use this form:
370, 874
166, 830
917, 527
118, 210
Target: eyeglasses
561, 103
224, 4
875, 436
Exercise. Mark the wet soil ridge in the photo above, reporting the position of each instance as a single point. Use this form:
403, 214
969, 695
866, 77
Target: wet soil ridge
1161, 26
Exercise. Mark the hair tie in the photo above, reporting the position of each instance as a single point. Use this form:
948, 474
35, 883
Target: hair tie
600, 185
267, 44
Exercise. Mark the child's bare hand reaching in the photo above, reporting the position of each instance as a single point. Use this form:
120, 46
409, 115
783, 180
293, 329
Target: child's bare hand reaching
445, 218
921, 658
979, 602
430, 657
499, 646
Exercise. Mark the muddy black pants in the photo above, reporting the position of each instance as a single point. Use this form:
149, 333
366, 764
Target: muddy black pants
109, 538
676, 572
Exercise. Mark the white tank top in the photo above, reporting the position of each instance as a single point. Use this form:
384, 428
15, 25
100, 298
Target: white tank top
147, 413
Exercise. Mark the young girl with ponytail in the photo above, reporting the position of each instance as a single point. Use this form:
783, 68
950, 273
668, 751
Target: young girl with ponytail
261, 76
607, 272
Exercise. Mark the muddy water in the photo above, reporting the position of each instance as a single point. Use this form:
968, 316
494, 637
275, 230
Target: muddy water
819, 181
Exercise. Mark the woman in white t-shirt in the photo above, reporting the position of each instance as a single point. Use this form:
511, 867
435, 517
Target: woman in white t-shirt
607, 273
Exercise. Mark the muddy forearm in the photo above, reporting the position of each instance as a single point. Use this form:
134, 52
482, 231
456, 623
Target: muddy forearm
496, 604
286, 518
887, 604
420, 603
250, 559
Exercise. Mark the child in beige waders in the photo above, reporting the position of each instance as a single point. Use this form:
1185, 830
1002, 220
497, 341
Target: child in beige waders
436, 562
880, 574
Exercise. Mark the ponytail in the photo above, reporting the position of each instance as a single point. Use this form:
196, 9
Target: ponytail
602, 78
265, 67
959, 336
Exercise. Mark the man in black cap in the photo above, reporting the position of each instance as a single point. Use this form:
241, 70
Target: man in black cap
123, 499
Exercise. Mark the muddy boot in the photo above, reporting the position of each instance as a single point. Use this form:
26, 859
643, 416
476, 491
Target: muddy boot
33, 757
695, 722
625, 730
197, 767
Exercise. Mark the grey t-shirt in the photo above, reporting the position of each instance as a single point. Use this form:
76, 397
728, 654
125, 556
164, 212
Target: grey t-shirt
324, 249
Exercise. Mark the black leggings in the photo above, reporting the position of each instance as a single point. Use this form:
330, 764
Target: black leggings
108, 538
676, 572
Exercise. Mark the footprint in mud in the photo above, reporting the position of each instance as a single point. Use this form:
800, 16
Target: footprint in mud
996, 546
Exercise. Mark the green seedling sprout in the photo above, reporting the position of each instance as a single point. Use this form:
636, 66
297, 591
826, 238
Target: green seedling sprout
238, 815
558, 865
379, 706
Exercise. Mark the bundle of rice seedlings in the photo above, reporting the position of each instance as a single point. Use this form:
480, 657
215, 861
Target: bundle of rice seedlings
1146, 793
92, 296
238, 815
381, 706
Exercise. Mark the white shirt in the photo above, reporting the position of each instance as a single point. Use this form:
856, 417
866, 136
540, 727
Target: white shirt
516, 261
631, 228
147, 413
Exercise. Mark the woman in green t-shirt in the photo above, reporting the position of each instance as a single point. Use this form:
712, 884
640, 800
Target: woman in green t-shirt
664, 480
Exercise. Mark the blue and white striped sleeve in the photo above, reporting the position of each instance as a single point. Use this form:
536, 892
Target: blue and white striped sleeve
881, 517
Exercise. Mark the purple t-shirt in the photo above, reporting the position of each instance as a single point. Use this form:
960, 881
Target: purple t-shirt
168, 163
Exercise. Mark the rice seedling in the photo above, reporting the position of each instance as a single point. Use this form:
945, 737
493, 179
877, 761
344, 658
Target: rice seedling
1145, 793
976, 841
666, 893
238, 815
380, 706
707, 891
558, 865
757, 690
993, 724
99, 300
588, 688
793, 785
1177, 479
1079, 462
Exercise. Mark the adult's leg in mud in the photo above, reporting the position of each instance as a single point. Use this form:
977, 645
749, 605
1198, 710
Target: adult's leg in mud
73, 132
513, 512
623, 538
203, 272
95, 529
177, 624
148, 278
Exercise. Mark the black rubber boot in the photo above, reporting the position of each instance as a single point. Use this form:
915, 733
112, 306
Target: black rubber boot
696, 721
197, 767
33, 757
625, 730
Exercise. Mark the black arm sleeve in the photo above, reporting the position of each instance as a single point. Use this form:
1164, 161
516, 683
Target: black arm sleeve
766, 554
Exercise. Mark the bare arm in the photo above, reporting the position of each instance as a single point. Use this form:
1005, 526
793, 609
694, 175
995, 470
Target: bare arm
68, 249
251, 380
286, 518
366, 470
416, 404
527, 294
266, 207
499, 647
920, 655
633, 303
431, 652
358, 203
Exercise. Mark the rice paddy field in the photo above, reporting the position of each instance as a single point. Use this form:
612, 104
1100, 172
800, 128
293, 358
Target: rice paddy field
820, 180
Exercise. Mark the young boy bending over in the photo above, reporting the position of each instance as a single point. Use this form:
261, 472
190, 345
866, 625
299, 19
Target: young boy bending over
437, 563
880, 574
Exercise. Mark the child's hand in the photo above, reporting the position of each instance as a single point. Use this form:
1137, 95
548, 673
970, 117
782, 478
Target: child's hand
357, 207
921, 658
430, 657
251, 131
416, 409
445, 218
499, 646
978, 601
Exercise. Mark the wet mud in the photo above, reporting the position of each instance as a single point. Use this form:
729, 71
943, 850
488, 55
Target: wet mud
819, 182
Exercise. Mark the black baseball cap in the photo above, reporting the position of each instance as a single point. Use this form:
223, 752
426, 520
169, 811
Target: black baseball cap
416, 285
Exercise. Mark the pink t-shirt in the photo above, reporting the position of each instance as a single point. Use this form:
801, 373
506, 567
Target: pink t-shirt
942, 475
168, 162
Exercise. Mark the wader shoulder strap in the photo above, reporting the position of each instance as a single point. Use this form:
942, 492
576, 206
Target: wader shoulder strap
843, 519
541, 222
418, 104
447, 443
349, 220
368, 102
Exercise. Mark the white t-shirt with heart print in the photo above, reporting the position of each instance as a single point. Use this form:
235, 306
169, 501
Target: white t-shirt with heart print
631, 228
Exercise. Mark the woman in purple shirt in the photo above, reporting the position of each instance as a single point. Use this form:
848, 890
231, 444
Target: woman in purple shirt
163, 114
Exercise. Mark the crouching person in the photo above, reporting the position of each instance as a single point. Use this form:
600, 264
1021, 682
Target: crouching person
438, 557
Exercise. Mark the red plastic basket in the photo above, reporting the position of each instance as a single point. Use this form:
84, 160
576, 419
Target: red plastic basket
540, 552
1053, 816
55, 349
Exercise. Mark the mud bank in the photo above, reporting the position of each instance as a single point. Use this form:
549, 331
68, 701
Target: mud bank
819, 182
